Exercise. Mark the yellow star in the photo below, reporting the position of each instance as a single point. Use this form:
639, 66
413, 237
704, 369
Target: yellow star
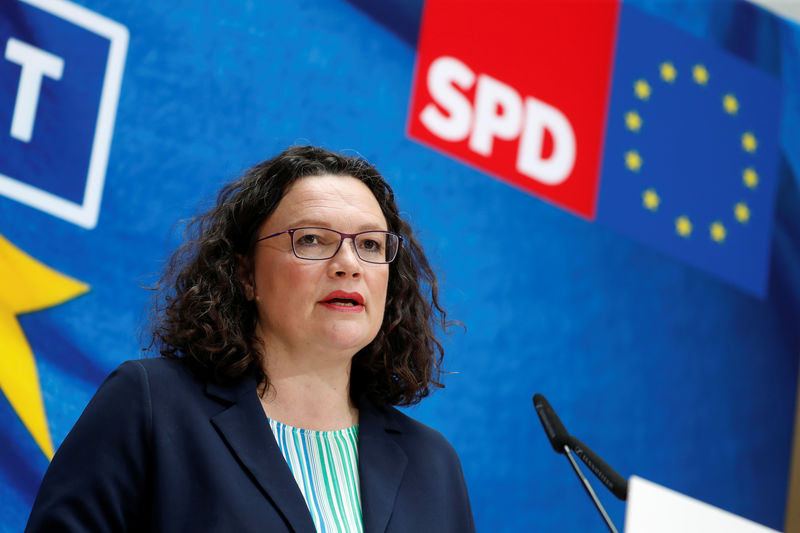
26, 285
700, 74
749, 142
750, 178
668, 72
641, 89
683, 226
730, 104
633, 121
717, 232
741, 212
651, 200
633, 160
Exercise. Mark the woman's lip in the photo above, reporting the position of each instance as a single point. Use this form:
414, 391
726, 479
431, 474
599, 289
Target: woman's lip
344, 295
344, 308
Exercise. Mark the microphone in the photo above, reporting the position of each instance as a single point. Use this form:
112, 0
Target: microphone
607, 475
562, 442
553, 428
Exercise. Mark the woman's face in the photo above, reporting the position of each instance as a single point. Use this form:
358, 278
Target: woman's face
293, 296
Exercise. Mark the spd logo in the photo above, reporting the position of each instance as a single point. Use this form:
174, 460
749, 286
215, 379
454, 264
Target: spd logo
519, 90
60, 75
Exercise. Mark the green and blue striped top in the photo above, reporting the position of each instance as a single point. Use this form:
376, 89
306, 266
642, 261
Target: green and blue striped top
325, 466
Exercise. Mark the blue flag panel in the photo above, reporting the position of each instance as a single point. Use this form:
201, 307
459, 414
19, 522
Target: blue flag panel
691, 156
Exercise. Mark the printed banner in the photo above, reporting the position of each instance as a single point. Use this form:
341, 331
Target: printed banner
518, 90
690, 158
59, 87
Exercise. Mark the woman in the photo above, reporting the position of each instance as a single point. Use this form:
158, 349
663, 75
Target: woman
290, 324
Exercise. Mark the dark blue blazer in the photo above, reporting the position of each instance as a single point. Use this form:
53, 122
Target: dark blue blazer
160, 450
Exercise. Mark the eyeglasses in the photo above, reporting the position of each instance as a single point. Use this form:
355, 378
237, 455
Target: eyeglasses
318, 244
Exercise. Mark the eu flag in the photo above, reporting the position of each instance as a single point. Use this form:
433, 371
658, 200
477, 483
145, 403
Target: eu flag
691, 156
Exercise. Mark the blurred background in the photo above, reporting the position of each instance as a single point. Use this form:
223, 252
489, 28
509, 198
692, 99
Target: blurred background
650, 290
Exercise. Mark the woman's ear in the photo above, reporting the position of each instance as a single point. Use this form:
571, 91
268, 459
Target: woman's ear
244, 269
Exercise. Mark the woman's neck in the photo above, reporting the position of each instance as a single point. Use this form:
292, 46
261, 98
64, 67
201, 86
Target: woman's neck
307, 392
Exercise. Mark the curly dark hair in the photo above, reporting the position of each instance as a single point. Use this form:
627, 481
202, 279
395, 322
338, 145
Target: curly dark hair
202, 315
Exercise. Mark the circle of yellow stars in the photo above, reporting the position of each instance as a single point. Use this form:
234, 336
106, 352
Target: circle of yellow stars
634, 122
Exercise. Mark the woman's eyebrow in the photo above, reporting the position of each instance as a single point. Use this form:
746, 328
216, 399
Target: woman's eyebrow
319, 223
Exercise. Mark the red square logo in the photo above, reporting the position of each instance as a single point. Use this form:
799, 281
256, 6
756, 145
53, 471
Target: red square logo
518, 89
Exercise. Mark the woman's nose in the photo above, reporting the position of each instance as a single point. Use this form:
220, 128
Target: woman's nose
346, 261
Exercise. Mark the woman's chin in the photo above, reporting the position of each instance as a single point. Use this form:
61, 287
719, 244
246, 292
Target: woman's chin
346, 337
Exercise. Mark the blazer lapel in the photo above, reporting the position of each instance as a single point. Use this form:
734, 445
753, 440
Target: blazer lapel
245, 428
381, 464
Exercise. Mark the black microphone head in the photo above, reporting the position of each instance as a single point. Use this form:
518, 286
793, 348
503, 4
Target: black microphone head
613, 481
553, 428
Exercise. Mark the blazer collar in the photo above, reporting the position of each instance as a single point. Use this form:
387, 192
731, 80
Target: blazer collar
381, 464
230, 393
244, 426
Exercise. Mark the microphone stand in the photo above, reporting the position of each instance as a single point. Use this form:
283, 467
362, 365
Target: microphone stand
589, 490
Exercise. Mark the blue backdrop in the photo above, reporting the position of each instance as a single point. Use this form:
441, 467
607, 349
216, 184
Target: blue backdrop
664, 370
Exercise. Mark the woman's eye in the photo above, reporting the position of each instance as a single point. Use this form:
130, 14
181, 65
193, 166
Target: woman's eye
371, 245
308, 240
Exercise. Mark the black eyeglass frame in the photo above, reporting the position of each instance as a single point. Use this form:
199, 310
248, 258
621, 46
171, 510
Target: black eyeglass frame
342, 237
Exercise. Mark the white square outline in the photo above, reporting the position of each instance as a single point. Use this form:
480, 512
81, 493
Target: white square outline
86, 213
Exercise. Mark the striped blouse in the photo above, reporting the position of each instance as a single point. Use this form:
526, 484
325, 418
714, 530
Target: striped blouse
325, 466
